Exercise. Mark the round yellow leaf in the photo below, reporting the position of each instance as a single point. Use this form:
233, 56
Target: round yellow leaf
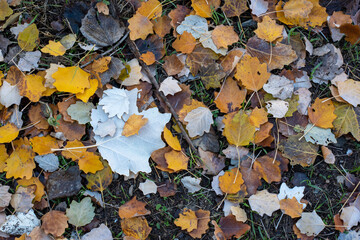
54, 48
8, 133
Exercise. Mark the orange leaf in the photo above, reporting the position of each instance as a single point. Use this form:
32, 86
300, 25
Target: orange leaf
352, 33
162, 25
187, 220
39, 192
184, 43
291, 207
230, 98
32, 87
203, 217
263, 133
251, 73
172, 65
268, 169
136, 227
148, 57
231, 181
321, 113
133, 125
90, 162
133, 208
54, 48
258, 116
54, 222
101, 65
21, 163
74, 154
158, 156
204, 8
177, 15
238, 129
176, 161
223, 36
71, 79
8, 133
269, 30
151, 9
139, 26
43, 145
171, 140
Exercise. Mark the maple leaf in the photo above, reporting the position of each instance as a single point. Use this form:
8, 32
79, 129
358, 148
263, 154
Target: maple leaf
321, 113
54, 48
21, 163
54, 222
133, 208
71, 79
238, 129
140, 27
231, 181
251, 73
8, 133
269, 30
80, 213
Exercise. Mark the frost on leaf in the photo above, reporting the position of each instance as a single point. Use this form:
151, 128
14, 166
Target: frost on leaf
193, 24
319, 136
199, 121
310, 224
132, 153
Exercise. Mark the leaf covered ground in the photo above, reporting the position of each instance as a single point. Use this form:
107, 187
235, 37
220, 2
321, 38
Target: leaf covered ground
201, 119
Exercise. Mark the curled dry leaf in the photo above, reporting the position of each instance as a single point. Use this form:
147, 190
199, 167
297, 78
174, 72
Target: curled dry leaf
133, 208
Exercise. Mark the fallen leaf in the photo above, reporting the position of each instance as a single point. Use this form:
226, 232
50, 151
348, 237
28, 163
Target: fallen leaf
291, 207
162, 25
167, 189
101, 65
351, 216
5, 10
151, 9
349, 90
211, 75
71, 131
264, 202
251, 73
278, 108
191, 184
352, 32
211, 163
234, 8
80, 111
346, 121
187, 220
88, 92
339, 224
223, 36
27, 222
199, 121
231, 181
21, 163
258, 116
259, 7
154, 44
176, 160
71, 79
28, 37
232, 228
9, 94
204, 8
310, 224
148, 187
218, 233
135, 73
184, 43
28, 62
238, 129
133, 125
139, 26
193, 24
80, 213
207, 42
5, 196
268, 169
54, 223
39, 191
101, 232
229, 62
148, 58
101, 179
22, 199
203, 217
239, 213
279, 87
172, 65
43, 145
269, 30
32, 87
200, 57
319, 136
54, 48
321, 113
133, 208
177, 15
230, 98
90, 162
136, 227
8, 133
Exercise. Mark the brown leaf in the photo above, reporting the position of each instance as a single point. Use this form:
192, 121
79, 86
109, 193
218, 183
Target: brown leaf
38, 234
234, 8
54, 222
268, 169
158, 156
352, 32
231, 59
218, 233
172, 65
339, 224
252, 179
203, 217
177, 15
291, 207
230, 98
139, 26
223, 36
133, 208
71, 131
211, 75
231, 227
280, 54
162, 25
204, 8
63, 106
300, 235
22, 199
200, 57
263, 133
167, 189
328, 155
179, 99
37, 117
136, 227
211, 163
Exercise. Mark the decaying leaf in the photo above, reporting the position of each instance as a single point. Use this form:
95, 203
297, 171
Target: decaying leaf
231, 227
54, 222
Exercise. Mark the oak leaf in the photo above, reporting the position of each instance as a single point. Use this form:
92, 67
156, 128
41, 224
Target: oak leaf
238, 129
321, 113
187, 220
43, 145
21, 163
151, 9
258, 116
234, 8
230, 98
136, 227
8, 133
54, 48
28, 37
54, 222
71, 79
133, 125
204, 8
32, 87
39, 192
133, 208
184, 43
269, 30
139, 26
176, 160
223, 36
291, 207
251, 73
231, 181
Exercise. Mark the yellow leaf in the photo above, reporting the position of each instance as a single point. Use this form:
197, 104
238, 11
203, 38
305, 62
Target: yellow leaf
176, 160
238, 129
258, 116
5, 10
71, 79
32, 87
133, 125
3, 157
39, 192
75, 153
88, 92
90, 162
101, 179
223, 36
54, 48
101, 65
27, 38
21, 163
151, 9
135, 228
269, 30
43, 145
187, 220
231, 181
171, 140
204, 8
321, 113
251, 73
8, 133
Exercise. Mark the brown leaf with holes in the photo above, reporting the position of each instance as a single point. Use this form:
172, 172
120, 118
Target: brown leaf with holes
136, 227
133, 125
234, 8
232, 228
184, 43
291, 207
321, 113
231, 181
54, 222
223, 36
172, 65
280, 54
230, 98
133, 208
162, 25
187, 220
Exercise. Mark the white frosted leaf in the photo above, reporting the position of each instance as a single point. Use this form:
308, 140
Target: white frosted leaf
115, 102
29, 61
191, 184
258, 7
105, 128
278, 108
148, 187
9, 95
102, 232
80, 111
207, 42
264, 202
351, 216
169, 86
20, 223
310, 224
319, 136
193, 24
48, 162
199, 121
279, 87
80, 213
